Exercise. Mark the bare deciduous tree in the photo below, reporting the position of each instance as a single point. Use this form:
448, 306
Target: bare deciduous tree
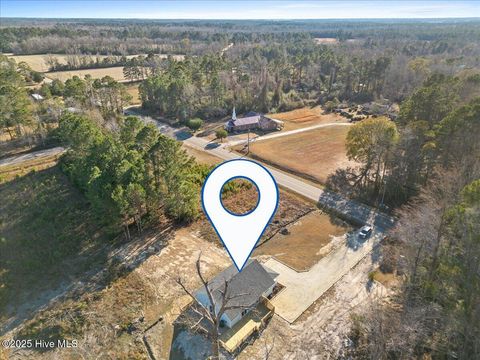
213, 313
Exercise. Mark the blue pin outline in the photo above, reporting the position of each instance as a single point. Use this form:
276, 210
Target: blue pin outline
239, 177
266, 225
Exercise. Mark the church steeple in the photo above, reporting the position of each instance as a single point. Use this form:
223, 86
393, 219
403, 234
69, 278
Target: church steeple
234, 114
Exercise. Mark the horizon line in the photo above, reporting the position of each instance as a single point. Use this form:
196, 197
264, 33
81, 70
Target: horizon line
241, 19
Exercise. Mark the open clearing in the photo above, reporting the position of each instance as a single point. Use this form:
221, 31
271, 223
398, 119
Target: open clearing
306, 117
132, 89
311, 237
326, 40
39, 63
8, 172
43, 220
312, 154
202, 156
116, 72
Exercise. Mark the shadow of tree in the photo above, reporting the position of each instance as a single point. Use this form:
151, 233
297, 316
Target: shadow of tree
52, 248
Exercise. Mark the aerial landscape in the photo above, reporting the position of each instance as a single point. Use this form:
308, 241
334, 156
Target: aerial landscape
114, 115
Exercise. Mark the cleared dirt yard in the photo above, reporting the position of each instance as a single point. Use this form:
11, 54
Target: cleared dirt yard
305, 117
310, 237
312, 154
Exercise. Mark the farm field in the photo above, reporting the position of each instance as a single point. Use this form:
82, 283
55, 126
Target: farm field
305, 117
39, 63
311, 154
312, 237
326, 40
116, 72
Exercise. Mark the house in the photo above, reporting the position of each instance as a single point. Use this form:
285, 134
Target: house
254, 283
252, 121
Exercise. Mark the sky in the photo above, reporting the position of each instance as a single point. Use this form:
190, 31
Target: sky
222, 9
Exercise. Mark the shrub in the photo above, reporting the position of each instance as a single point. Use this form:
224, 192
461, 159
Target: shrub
194, 124
221, 134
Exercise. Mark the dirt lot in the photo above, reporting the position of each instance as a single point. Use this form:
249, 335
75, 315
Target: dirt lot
322, 332
312, 154
310, 236
305, 117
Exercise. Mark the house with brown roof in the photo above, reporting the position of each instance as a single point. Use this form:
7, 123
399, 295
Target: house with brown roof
252, 121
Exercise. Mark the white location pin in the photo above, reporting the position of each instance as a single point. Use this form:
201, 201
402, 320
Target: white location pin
240, 233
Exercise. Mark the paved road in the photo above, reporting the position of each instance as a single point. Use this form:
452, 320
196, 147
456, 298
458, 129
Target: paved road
32, 156
349, 209
286, 133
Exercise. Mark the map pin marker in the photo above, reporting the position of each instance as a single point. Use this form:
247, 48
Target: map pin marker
240, 233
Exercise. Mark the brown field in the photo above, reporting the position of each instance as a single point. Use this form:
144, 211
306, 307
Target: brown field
116, 72
311, 238
9, 172
202, 156
326, 40
305, 117
38, 62
132, 89
311, 154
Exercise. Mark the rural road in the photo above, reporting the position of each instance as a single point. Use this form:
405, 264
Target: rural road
31, 156
302, 289
351, 210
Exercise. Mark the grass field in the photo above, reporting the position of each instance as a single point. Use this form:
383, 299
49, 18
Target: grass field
326, 40
43, 220
115, 72
305, 117
133, 90
311, 154
307, 242
202, 156
39, 63
9, 172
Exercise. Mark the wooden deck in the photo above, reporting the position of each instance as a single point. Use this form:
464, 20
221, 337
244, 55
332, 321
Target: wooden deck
254, 321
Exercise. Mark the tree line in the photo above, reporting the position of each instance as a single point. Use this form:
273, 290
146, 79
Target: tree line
437, 126
430, 161
132, 174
